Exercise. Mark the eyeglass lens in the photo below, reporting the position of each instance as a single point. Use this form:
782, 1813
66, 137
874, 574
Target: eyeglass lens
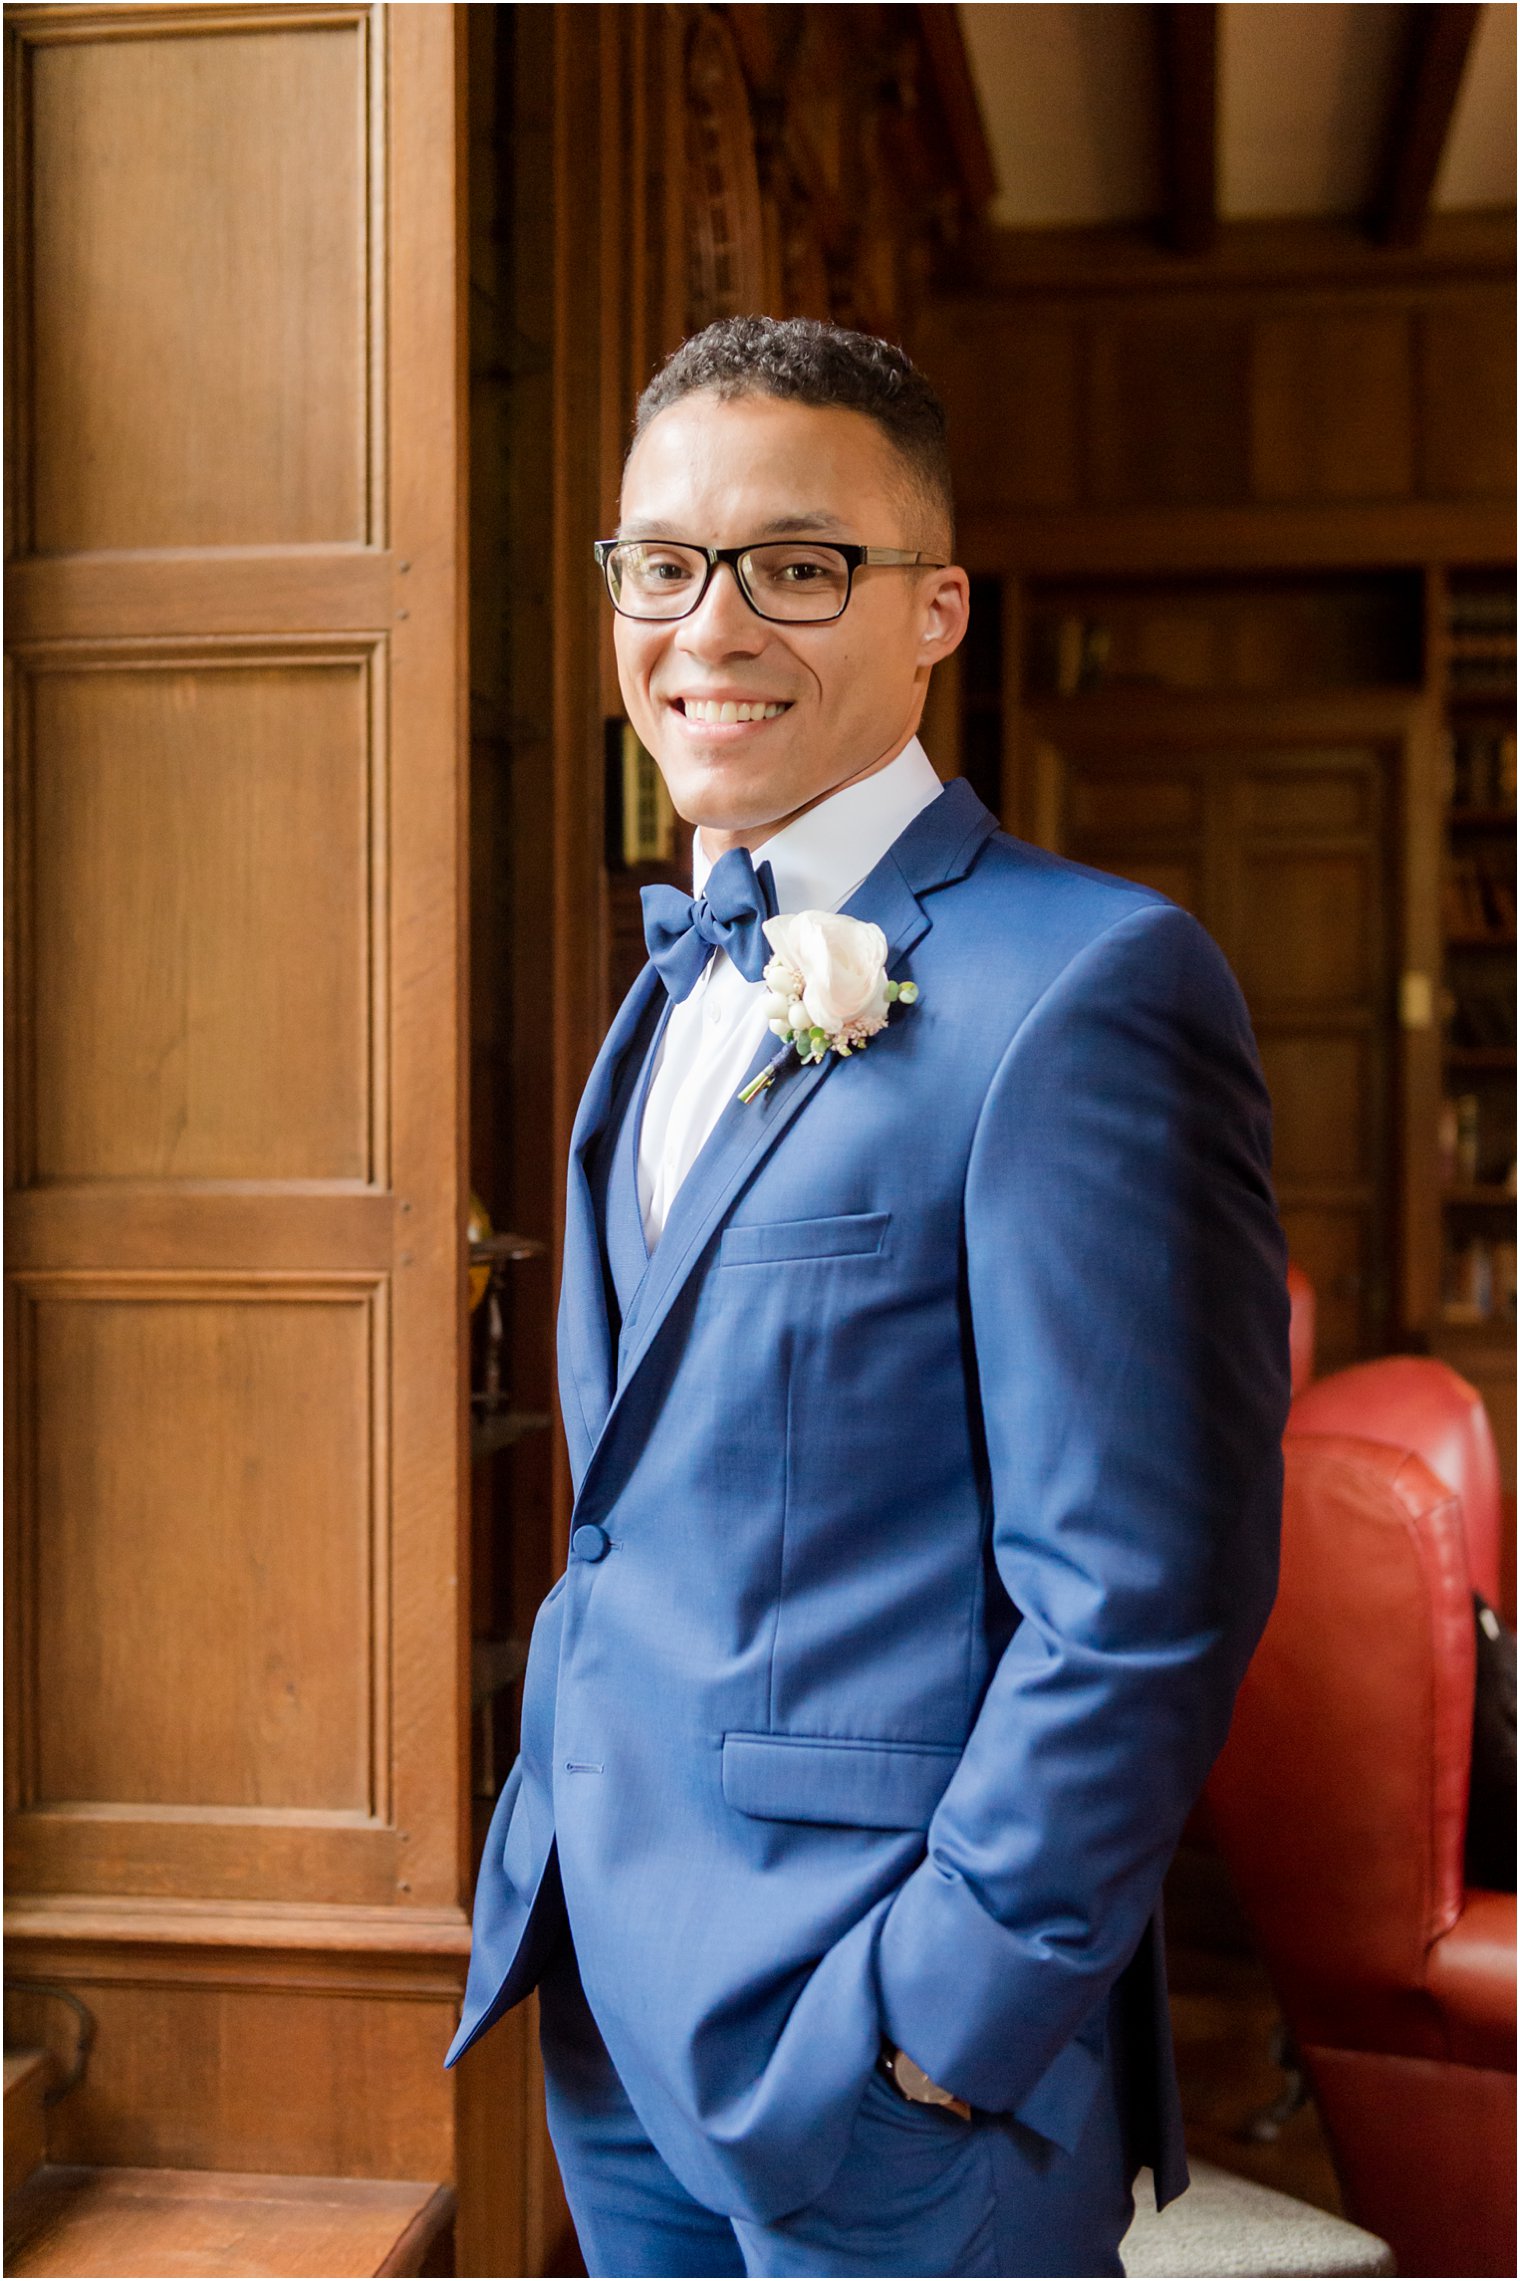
783, 579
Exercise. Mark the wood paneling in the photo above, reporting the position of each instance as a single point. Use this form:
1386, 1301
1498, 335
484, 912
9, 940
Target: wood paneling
1134, 807
1332, 800
88, 597
1021, 426
1272, 822
1121, 542
1283, 401
1331, 1245
205, 1475
198, 265
1323, 1101
1168, 410
237, 962
1332, 406
237, 1623
204, 848
1466, 393
321, 2067
1306, 927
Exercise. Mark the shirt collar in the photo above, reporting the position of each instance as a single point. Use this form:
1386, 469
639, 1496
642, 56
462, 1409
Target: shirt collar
820, 858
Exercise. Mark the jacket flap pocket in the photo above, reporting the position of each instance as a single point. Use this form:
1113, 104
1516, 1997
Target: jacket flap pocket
870, 1785
839, 1236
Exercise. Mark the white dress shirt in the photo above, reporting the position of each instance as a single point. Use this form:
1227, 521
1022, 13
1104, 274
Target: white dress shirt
712, 1035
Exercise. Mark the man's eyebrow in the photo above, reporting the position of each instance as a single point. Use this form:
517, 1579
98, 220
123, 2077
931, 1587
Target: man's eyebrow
780, 526
785, 526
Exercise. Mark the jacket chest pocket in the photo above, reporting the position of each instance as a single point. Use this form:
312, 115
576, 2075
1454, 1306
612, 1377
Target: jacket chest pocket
842, 1235
864, 1785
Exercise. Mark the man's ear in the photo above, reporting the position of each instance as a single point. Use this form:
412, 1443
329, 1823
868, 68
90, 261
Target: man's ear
946, 613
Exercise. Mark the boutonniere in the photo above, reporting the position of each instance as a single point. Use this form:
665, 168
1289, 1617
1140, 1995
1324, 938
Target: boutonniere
826, 988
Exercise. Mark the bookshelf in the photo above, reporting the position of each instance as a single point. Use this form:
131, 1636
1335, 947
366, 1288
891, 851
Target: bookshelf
1472, 621
1475, 1140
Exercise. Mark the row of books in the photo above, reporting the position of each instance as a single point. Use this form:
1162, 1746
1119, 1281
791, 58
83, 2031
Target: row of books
1480, 769
1481, 610
1469, 1150
1478, 1285
1479, 898
1481, 1016
1483, 677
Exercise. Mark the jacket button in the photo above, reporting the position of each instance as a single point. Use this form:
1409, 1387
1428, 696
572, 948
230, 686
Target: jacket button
589, 1542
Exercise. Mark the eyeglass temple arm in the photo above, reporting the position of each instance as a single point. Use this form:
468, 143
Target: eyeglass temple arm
883, 555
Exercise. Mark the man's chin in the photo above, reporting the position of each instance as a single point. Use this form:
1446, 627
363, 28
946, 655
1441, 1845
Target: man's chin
735, 807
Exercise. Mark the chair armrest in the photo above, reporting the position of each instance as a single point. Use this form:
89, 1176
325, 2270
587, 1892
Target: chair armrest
1470, 1972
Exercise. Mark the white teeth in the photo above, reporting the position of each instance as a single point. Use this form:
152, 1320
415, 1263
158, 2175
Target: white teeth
715, 710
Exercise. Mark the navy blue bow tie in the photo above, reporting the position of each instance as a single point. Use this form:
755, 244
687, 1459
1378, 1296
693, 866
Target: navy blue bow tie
682, 931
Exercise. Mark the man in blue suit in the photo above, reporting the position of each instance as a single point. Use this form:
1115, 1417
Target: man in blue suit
923, 1360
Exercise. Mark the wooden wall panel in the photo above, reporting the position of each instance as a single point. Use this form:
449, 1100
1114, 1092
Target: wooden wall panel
1270, 821
1332, 406
310, 2065
198, 286
200, 944
1306, 927
1466, 384
1133, 808
1325, 799
1286, 402
1168, 409
205, 1478
1323, 1098
1333, 1247
1017, 393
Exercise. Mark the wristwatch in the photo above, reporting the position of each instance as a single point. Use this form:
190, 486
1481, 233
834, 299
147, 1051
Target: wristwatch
908, 2079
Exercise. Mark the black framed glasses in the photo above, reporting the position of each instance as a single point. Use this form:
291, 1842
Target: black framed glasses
798, 582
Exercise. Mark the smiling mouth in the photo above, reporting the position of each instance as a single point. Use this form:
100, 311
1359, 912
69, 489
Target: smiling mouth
719, 712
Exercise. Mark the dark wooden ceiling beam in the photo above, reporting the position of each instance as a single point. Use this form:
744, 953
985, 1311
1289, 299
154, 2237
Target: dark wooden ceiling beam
1440, 38
1188, 44
959, 104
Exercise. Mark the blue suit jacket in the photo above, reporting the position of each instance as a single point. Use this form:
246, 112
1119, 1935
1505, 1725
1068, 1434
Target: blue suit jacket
939, 1456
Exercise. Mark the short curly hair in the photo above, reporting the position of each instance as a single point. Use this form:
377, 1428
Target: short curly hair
803, 361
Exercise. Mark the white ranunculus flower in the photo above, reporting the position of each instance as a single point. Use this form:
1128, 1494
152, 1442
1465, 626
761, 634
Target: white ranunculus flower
842, 964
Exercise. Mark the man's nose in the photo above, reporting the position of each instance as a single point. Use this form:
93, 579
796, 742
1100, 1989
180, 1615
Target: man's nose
723, 621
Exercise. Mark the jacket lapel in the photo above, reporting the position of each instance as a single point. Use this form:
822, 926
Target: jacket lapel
939, 845
585, 1331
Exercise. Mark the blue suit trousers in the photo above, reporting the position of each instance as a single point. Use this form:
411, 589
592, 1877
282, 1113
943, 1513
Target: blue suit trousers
918, 2192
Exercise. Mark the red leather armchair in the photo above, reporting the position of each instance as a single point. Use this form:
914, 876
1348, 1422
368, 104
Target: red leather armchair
1301, 1328
1340, 1804
1414, 1403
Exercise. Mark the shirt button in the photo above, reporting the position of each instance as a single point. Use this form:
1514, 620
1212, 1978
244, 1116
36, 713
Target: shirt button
715, 1013
590, 1543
